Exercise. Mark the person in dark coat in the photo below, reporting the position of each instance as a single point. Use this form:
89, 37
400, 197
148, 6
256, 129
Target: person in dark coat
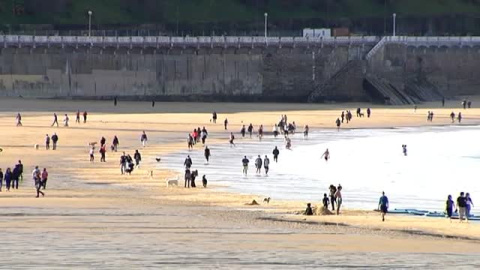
54, 141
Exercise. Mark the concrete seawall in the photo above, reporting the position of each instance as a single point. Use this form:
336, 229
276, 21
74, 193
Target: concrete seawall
281, 70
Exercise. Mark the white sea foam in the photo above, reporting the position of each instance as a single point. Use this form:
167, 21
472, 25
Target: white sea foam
440, 161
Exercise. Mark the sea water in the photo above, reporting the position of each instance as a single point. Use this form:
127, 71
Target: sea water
439, 161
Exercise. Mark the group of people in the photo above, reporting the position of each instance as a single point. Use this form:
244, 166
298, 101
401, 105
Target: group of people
66, 119
347, 116
191, 175
258, 164
334, 198
53, 139
463, 207
459, 117
196, 136
11, 176
126, 162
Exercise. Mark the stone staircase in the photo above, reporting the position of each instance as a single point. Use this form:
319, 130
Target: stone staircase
379, 87
318, 92
376, 48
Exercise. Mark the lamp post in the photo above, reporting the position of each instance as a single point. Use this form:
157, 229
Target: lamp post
266, 23
90, 23
394, 23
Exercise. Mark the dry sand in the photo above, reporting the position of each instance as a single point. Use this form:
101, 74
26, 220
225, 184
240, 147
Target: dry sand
92, 216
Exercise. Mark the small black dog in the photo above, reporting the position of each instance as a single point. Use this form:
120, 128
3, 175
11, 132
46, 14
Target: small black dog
204, 181
267, 200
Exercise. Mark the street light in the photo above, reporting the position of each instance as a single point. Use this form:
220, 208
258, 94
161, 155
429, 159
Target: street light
266, 23
394, 23
90, 23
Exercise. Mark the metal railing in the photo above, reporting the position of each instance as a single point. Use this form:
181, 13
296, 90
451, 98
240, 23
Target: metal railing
164, 41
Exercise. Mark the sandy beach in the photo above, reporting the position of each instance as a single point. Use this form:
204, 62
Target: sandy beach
94, 217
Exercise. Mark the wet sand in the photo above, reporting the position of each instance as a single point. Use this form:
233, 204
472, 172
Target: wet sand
94, 217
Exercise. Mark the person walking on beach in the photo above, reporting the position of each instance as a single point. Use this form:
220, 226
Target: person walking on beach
137, 158
47, 142
459, 117
15, 177
115, 101
342, 116
383, 205
103, 141
214, 117
20, 170
8, 179
258, 164
450, 205
19, 120
333, 190
326, 155
85, 117
206, 153
225, 123
275, 153
123, 163
266, 164
115, 143
469, 205
338, 197
54, 141
204, 135
1, 179
245, 162
188, 178
77, 118
452, 116
369, 112
462, 206
144, 138
65, 120
188, 162
103, 151
190, 141
37, 180
92, 155
44, 178
338, 124
443, 102
260, 132
55, 119
232, 138
469, 104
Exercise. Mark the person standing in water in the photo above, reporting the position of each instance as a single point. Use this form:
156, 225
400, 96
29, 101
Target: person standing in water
243, 131
404, 149
245, 162
452, 116
305, 131
206, 153
250, 130
326, 155
225, 123
266, 164
232, 139
275, 153
383, 205
258, 164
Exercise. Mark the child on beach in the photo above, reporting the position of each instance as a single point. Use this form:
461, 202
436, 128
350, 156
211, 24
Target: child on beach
92, 155
325, 201
326, 155
309, 210
232, 138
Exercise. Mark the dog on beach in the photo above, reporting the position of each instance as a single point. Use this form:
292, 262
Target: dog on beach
266, 200
158, 159
362, 114
172, 181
